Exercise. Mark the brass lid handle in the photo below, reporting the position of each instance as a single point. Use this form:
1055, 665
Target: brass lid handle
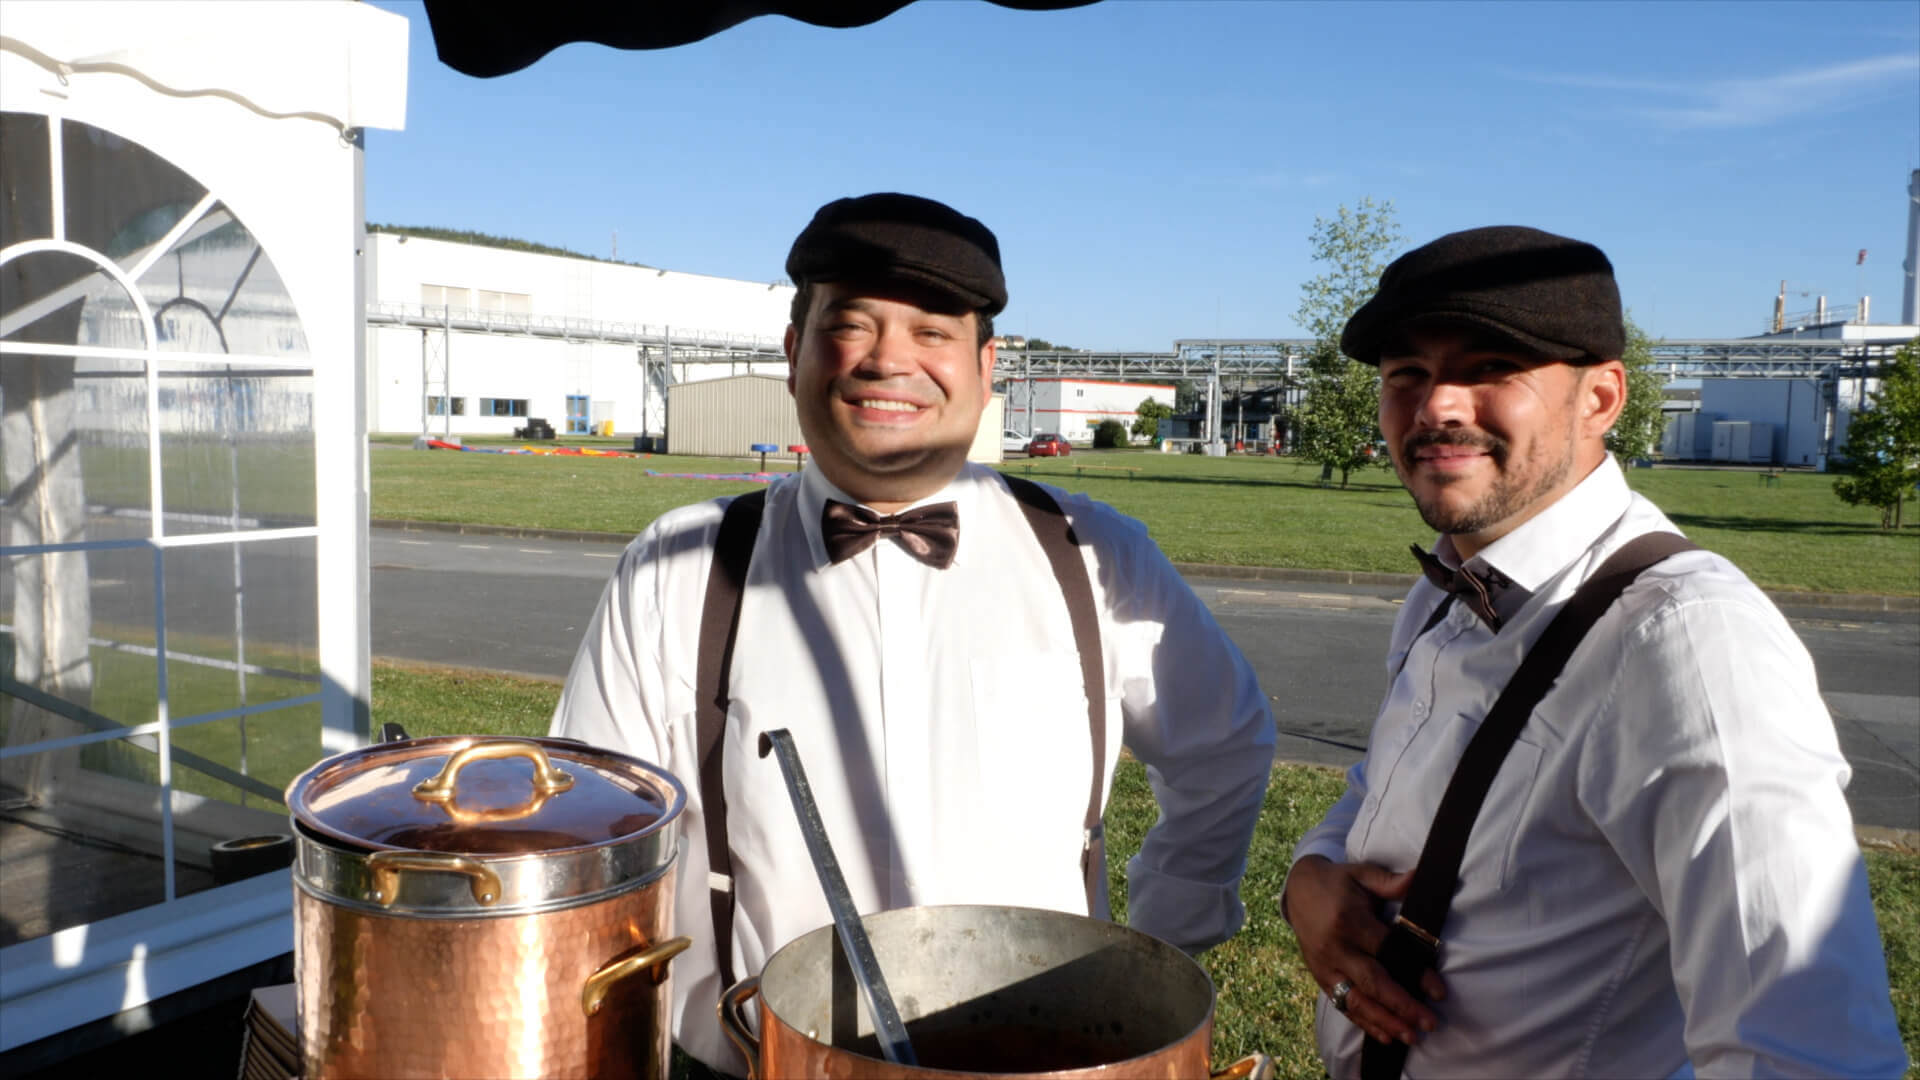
547, 780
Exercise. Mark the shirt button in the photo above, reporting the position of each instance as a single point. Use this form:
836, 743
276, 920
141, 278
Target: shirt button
1420, 708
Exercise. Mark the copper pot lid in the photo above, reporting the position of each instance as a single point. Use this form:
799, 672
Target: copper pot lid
484, 796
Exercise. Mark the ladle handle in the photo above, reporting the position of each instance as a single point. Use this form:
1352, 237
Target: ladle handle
887, 1025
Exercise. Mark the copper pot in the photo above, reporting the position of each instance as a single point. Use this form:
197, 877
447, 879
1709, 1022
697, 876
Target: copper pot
986, 991
484, 908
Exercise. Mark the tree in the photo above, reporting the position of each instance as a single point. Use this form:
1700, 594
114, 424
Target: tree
1110, 435
1338, 422
1883, 442
1637, 431
1148, 416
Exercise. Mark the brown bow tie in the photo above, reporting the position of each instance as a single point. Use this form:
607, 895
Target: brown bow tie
1475, 591
929, 533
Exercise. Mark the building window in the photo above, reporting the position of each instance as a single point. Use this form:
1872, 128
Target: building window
437, 405
507, 303
499, 406
448, 296
1079, 391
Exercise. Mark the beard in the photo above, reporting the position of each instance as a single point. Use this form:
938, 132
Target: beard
1509, 494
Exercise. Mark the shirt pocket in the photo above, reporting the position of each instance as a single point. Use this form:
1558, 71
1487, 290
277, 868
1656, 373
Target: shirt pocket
1498, 830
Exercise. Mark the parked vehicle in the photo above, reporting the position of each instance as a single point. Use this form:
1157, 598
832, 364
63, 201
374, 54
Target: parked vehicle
1012, 442
1048, 445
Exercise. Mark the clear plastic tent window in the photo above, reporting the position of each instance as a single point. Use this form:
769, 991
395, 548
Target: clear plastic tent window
159, 680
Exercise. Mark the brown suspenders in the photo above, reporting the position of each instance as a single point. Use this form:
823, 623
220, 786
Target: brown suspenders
1412, 944
719, 629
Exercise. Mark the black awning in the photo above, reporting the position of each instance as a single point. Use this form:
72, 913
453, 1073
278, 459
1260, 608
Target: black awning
485, 40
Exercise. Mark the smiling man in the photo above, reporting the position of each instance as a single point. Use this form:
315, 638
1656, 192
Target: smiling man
958, 655
1636, 864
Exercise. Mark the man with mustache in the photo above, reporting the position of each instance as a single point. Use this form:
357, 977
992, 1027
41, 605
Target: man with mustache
958, 655
1661, 877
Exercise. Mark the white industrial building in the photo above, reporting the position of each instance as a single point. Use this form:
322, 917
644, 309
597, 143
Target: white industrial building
1796, 423
1073, 408
465, 339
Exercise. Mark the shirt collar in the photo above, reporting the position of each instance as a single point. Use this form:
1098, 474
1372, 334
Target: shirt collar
1543, 546
815, 489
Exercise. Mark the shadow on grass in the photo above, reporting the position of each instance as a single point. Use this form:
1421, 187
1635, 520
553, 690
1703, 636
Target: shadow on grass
1783, 525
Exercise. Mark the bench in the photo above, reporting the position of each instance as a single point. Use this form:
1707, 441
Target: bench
1769, 479
1081, 470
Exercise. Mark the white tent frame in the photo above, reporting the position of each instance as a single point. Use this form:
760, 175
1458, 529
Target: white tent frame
278, 143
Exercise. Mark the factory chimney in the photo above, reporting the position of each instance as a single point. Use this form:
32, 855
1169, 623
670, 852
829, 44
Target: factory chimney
1907, 311
1780, 309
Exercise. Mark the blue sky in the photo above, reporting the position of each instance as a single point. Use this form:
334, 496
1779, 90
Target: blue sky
1153, 170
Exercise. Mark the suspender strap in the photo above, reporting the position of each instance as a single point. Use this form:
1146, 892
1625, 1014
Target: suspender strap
719, 628
1057, 539
1413, 942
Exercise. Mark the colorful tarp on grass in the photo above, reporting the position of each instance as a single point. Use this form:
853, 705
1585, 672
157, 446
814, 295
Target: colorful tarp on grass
584, 451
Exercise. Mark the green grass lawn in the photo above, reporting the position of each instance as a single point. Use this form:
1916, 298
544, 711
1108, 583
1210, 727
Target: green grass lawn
1243, 511
1265, 993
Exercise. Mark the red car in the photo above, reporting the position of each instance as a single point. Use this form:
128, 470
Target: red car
1048, 446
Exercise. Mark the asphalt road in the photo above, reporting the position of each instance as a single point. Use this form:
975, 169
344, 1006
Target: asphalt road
520, 606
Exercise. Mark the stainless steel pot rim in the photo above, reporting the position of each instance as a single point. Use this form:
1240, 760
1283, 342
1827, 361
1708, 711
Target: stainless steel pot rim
1163, 950
457, 903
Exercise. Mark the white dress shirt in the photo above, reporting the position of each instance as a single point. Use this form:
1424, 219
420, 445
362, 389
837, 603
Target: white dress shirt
941, 719
1663, 880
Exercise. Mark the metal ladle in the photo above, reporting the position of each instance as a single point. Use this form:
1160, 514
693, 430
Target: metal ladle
887, 1026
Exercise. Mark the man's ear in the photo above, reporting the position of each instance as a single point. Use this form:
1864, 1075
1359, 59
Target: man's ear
988, 354
791, 346
1602, 396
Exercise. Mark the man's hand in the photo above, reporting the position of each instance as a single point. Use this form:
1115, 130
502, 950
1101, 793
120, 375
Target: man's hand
1335, 912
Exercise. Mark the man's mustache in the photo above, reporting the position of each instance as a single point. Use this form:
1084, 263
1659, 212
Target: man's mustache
1477, 440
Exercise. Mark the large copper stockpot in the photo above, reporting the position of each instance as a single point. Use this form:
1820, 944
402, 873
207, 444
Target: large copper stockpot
986, 991
469, 907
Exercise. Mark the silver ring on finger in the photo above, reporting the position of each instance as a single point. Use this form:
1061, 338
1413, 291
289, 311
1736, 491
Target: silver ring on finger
1339, 993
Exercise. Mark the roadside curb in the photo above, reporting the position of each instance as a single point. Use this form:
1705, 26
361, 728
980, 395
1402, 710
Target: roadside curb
1881, 838
1835, 601
462, 528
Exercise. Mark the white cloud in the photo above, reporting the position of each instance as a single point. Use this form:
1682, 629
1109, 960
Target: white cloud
1756, 102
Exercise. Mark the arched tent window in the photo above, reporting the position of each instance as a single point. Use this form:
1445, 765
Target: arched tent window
159, 682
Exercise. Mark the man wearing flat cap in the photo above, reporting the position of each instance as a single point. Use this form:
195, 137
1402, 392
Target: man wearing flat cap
958, 655
1599, 829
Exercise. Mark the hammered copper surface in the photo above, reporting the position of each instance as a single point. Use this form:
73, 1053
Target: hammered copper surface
399, 997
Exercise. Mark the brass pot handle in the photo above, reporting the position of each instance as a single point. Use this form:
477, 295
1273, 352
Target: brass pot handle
1251, 1067
547, 780
653, 960
733, 1021
385, 866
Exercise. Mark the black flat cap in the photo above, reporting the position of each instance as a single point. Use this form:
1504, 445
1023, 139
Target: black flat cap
893, 237
1553, 295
